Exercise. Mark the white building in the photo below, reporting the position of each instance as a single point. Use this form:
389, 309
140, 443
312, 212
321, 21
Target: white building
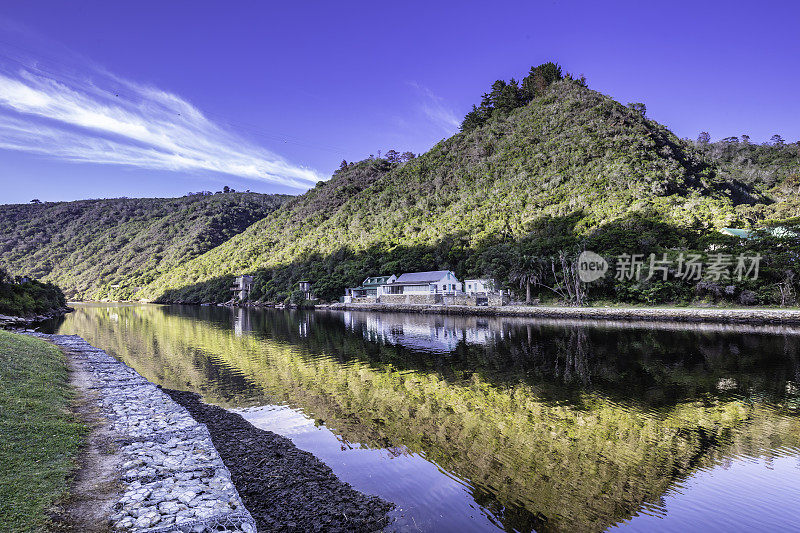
242, 285
479, 286
433, 282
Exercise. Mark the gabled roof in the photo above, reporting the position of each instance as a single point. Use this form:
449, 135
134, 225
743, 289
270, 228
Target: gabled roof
375, 281
422, 277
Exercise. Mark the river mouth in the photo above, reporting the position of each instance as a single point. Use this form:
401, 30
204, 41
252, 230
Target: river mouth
481, 424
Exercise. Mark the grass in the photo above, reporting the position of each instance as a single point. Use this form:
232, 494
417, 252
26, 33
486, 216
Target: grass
39, 436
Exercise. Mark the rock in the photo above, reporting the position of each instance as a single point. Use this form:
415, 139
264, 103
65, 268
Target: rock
148, 519
187, 496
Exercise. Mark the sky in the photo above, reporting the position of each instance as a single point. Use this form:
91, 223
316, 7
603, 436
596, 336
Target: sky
109, 99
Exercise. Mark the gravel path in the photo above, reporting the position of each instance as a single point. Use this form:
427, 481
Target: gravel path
285, 488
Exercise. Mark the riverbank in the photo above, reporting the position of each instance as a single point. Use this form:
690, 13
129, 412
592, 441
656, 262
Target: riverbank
671, 314
148, 464
284, 488
39, 436
8, 321
151, 463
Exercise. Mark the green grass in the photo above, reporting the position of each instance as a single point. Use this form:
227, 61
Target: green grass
39, 437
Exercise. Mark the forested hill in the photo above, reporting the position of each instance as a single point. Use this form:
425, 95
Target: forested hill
537, 168
97, 249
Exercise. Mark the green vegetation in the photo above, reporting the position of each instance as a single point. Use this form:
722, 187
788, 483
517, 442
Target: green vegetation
541, 170
22, 297
39, 438
561, 170
107, 249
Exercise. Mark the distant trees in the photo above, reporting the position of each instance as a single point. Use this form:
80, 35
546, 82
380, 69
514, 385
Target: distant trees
504, 96
704, 138
776, 140
392, 156
36, 201
638, 107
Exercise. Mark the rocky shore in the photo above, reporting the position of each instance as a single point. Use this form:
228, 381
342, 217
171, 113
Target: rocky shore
285, 488
169, 474
678, 314
7, 321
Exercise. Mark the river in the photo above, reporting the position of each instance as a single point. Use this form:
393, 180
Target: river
484, 424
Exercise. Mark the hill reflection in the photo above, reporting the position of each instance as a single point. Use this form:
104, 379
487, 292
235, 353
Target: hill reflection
551, 425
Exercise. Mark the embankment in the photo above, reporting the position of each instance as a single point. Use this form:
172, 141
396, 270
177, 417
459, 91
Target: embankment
181, 465
670, 314
169, 474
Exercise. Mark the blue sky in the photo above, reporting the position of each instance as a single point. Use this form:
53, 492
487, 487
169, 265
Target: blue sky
101, 99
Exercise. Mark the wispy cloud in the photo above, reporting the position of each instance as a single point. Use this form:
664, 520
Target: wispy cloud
98, 117
435, 108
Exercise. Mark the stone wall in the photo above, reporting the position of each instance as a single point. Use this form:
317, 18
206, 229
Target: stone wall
364, 300
459, 299
411, 299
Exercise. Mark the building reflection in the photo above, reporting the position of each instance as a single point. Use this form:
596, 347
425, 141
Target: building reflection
430, 333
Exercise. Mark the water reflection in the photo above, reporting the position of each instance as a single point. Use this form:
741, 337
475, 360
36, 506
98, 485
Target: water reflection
480, 423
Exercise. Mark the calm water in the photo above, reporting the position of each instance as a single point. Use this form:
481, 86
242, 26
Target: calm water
476, 424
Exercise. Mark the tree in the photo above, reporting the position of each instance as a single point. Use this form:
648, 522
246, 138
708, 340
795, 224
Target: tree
392, 156
36, 201
407, 156
776, 140
745, 139
474, 119
343, 165
526, 272
537, 80
507, 97
704, 138
638, 107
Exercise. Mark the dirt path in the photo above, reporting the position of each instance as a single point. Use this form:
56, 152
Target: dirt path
96, 485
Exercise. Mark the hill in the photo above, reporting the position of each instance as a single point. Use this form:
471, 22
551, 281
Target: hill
96, 249
563, 168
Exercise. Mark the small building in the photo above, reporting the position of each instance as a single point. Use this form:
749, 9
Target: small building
432, 282
242, 286
305, 288
480, 286
369, 287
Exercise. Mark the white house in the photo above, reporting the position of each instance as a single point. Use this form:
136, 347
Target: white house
437, 281
242, 285
479, 286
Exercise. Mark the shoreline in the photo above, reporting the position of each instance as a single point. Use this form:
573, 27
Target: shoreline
8, 321
284, 488
757, 316
164, 469
161, 460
